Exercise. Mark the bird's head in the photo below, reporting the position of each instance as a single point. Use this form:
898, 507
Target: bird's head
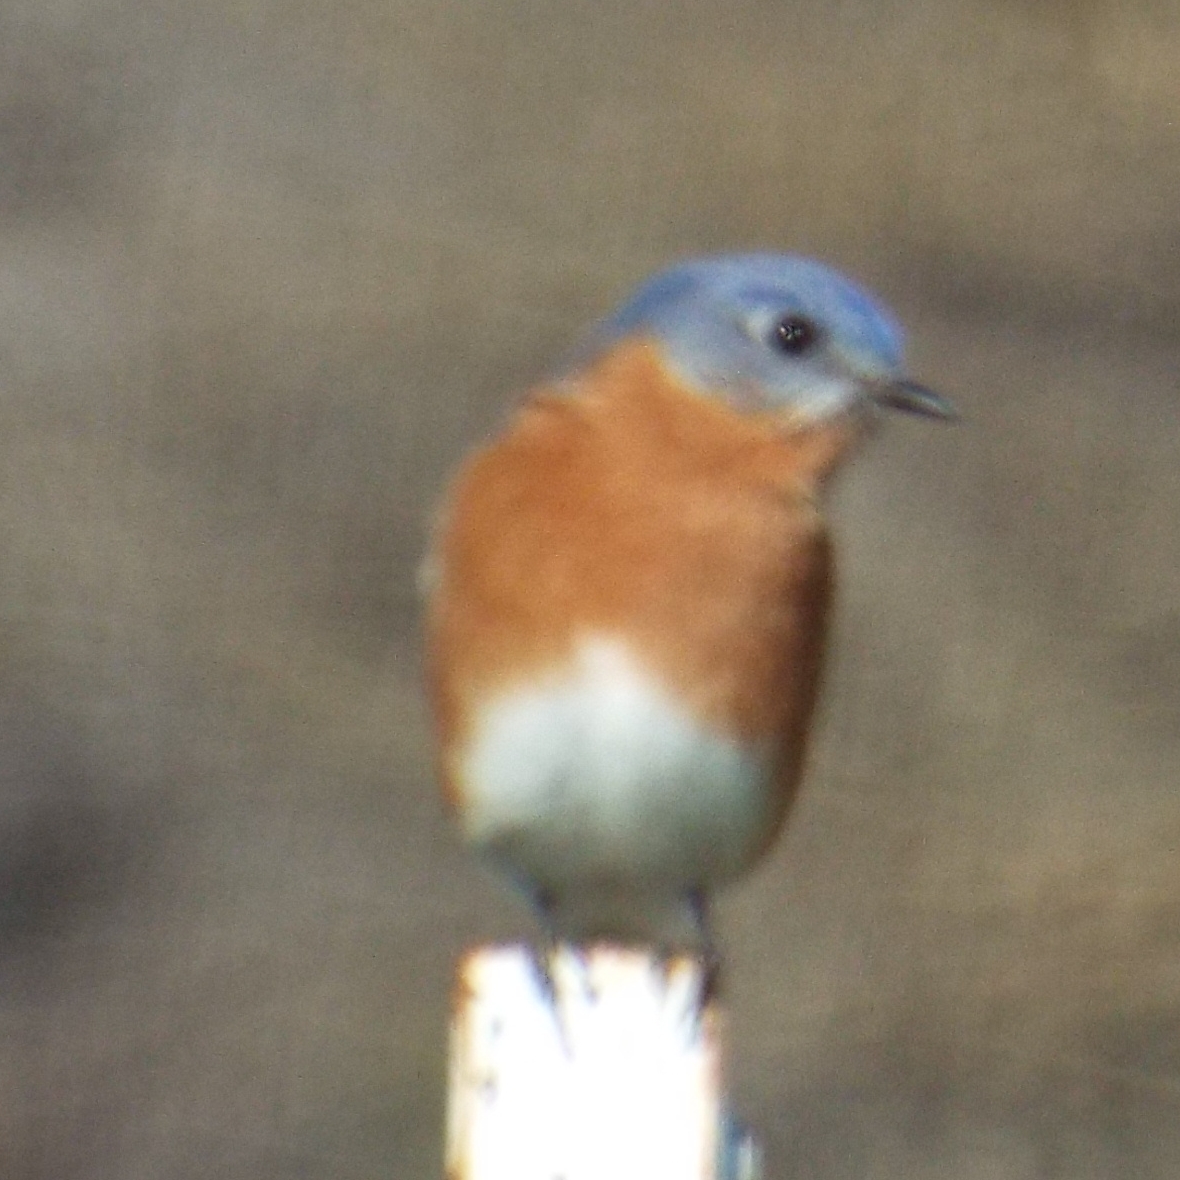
772, 332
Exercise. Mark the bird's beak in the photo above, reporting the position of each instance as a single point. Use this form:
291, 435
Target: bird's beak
914, 398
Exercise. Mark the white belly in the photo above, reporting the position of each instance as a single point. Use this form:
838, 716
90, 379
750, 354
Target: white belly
596, 775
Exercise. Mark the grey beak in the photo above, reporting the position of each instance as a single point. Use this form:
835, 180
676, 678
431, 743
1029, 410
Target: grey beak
914, 398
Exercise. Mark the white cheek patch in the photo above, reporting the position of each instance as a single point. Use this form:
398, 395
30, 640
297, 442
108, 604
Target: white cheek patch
597, 772
825, 398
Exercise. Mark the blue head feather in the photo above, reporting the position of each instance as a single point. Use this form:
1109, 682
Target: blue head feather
718, 322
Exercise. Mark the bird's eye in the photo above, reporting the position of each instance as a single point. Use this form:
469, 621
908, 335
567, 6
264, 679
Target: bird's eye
794, 334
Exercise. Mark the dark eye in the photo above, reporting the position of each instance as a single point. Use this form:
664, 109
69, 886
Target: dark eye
794, 334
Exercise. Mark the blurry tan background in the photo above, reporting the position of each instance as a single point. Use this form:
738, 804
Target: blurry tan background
267, 269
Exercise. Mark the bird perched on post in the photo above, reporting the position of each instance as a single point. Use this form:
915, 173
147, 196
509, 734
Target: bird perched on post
629, 592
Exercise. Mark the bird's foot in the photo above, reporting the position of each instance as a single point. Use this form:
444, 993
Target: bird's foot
708, 956
704, 994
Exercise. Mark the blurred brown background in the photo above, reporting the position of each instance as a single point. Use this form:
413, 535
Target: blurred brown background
267, 269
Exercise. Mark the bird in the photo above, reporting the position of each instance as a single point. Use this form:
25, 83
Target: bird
628, 592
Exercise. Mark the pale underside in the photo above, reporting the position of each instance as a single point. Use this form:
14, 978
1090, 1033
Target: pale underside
598, 792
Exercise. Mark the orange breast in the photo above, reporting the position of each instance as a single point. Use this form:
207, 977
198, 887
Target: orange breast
632, 507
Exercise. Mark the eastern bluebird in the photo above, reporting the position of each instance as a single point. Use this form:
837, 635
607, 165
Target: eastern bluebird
629, 592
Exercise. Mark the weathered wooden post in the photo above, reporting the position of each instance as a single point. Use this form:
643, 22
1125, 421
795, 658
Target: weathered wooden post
616, 1075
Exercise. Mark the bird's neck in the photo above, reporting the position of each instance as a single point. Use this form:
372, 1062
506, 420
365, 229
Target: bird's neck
631, 393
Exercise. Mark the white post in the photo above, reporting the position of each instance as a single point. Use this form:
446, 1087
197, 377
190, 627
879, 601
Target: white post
615, 1075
